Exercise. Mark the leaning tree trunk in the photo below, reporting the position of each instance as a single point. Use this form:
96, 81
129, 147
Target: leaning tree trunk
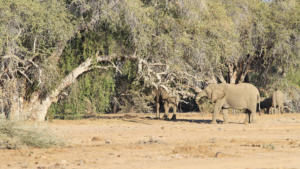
36, 109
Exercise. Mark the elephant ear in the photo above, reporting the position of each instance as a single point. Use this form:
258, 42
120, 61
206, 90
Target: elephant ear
217, 94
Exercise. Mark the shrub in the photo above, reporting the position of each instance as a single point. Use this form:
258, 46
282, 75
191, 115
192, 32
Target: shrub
18, 135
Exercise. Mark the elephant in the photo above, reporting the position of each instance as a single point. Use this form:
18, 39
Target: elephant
278, 99
266, 104
169, 101
235, 96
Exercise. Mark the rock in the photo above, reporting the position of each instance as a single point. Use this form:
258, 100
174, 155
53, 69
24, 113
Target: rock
147, 156
56, 165
96, 139
41, 167
219, 154
80, 162
108, 141
150, 140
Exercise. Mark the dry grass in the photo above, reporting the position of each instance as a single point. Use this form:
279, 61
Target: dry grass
19, 135
195, 151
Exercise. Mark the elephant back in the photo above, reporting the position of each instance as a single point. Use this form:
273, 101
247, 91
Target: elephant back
244, 90
166, 95
164, 92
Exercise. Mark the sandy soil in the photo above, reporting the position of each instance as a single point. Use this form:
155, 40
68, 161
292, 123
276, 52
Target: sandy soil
138, 142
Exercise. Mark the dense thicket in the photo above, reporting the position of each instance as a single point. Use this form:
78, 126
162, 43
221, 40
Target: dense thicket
42, 42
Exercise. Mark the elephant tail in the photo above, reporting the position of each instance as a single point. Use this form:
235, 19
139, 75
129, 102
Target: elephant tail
258, 102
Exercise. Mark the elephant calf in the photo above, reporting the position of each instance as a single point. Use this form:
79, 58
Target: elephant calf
169, 101
278, 99
266, 104
236, 96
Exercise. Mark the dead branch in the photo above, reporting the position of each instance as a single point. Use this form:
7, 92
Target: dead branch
27, 78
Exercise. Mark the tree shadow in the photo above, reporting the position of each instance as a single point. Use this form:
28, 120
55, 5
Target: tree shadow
198, 121
203, 121
195, 121
134, 118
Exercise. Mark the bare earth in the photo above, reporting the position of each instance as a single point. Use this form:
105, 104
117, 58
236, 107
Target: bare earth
138, 142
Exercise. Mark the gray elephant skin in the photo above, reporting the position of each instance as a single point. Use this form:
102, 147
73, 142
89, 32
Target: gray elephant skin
243, 96
278, 99
169, 101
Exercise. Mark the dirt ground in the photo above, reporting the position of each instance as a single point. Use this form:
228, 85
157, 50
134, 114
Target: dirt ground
135, 141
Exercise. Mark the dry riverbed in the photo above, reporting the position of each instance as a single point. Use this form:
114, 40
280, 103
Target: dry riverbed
136, 141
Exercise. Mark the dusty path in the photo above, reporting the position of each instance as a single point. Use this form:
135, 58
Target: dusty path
190, 143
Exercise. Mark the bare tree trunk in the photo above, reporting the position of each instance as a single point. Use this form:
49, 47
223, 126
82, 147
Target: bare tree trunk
232, 73
242, 77
233, 77
36, 109
221, 77
14, 113
14, 99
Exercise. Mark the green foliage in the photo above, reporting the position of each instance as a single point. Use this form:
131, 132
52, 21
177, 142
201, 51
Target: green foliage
129, 70
24, 21
294, 78
93, 90
201, 35
89, 95
198, 36
33, 31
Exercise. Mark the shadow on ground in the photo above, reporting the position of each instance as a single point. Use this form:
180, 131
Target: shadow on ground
134, 118
190, 120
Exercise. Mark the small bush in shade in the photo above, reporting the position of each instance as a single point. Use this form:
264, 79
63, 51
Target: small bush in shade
18, 135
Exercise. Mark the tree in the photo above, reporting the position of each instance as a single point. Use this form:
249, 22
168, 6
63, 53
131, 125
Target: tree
45, 46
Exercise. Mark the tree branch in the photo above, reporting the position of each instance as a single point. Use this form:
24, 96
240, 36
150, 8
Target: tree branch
22, 73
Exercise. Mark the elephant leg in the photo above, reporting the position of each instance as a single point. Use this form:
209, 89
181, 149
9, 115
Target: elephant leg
115, 108
272, 110
275, 108
281, 109
247, 117
217, 109
225, 115
157, 110
174, 112
252, 116
166, 106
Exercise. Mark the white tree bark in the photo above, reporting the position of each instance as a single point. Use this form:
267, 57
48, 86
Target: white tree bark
36, 109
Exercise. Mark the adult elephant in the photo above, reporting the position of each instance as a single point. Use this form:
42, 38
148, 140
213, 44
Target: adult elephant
235, 96
278, 99
162, 94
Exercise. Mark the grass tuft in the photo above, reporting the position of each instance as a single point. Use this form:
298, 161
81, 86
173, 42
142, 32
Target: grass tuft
19, 135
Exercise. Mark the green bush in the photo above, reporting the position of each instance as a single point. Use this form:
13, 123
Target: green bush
89, 95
